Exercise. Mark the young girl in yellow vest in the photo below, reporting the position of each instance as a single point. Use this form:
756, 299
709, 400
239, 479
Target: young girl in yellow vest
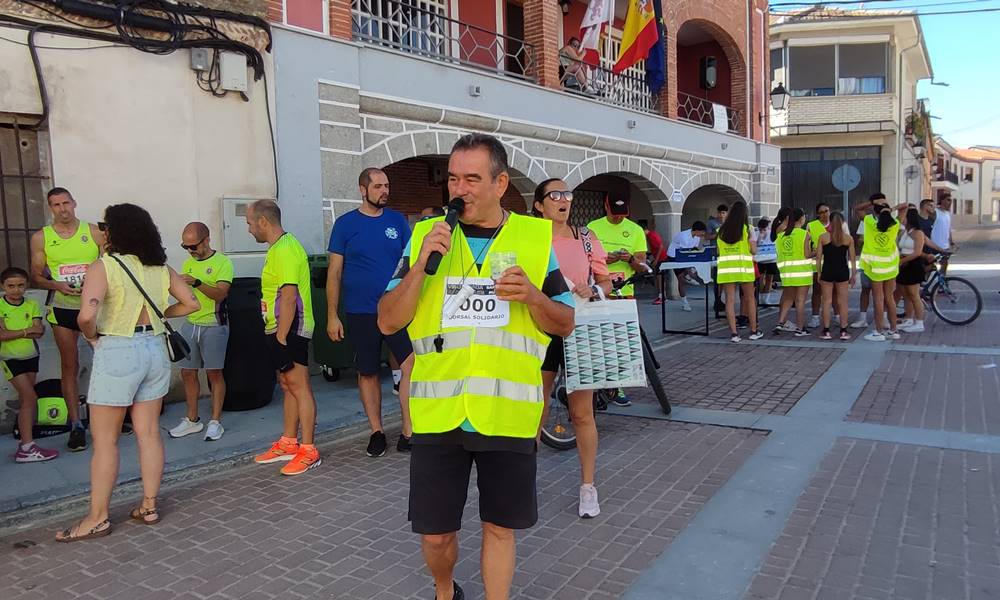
795, 265
880, 262
837, 272
736, 270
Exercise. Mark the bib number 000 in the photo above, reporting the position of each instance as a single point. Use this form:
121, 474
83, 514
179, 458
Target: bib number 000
479, 305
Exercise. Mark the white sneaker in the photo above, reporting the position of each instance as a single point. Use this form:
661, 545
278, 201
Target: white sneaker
214, 432
859, 324
875, 336
915, 327
814, 321
789, 326
589, 507
186, 427
904, 324
894, 334
686, 307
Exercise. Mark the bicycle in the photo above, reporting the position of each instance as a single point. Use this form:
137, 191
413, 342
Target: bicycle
557, 431
955, 300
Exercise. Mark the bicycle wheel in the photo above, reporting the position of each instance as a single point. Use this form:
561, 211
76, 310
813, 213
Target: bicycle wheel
956, 301
558, 432
653, 376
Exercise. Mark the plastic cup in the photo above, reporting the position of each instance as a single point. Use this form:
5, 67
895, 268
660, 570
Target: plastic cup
500, 262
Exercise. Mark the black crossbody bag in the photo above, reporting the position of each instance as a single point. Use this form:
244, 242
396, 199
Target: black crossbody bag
177, 346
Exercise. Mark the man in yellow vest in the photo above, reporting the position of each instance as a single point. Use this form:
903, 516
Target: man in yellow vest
479, 330
60, 254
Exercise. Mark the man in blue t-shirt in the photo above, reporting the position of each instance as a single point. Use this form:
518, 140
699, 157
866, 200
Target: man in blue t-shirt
365, 248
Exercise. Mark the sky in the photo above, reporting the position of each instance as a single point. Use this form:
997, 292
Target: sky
964, 54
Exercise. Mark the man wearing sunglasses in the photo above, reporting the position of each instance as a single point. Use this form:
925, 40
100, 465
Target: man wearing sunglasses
209, 273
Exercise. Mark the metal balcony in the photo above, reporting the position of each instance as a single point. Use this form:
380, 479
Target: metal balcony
702, 112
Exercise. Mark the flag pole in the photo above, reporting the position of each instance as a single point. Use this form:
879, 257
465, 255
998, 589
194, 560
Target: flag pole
611, 26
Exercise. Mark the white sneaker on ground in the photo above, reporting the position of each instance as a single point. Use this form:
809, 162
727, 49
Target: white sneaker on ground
186, 427
814, 321
214, 432
915, 327
859, 324
904, 324
685, 306
589, 507
875, 336
789, 326
894, 335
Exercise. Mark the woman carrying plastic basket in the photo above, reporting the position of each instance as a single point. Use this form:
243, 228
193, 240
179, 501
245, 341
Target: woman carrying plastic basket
583, 262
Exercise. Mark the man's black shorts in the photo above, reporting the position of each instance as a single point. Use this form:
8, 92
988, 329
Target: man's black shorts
65, 317
439, 485
17, 367
364, 333
554, 355
296, 350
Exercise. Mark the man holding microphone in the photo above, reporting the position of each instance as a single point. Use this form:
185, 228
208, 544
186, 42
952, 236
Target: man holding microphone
479, 342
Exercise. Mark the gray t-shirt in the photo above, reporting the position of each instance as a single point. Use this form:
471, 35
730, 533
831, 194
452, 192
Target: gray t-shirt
713, 226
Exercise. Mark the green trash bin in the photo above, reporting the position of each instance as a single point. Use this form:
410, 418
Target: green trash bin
331, 356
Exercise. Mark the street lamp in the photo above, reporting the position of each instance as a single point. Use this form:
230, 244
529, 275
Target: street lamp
779, 97
940, 83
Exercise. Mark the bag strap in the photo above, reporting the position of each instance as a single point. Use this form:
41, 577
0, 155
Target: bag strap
138, 286
588, 246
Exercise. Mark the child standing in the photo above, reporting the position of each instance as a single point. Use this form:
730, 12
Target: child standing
20, 326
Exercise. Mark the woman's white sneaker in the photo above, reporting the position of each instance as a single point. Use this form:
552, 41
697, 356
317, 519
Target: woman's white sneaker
875, 336
589, 507
859, 324
186, 427
915, 327
214, 432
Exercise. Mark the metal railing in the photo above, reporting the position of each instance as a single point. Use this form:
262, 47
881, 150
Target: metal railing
424, 32
702, 112
602, 84
949, 176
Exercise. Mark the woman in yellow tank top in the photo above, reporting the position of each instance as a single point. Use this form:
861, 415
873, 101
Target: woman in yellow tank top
131, 368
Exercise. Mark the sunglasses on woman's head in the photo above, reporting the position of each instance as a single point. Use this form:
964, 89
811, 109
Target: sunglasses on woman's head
557, 195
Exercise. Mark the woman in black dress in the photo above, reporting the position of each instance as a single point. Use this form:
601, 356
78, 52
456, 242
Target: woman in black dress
837, 272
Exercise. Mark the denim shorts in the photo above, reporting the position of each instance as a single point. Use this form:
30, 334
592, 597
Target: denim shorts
129, 369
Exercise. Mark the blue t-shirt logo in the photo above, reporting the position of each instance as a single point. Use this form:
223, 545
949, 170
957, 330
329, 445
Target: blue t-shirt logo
391, 233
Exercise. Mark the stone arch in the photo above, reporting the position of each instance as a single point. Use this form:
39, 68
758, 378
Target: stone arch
702, 202
739, 186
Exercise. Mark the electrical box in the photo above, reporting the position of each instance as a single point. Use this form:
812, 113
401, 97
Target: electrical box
200, 59
236, 237
233, 71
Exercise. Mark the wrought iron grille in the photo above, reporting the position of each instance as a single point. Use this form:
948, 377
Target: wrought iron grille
700, 111
422, 27
588, 205
22, 194
627, 89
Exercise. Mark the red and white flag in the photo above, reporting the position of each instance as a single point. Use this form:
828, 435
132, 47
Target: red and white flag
595, 21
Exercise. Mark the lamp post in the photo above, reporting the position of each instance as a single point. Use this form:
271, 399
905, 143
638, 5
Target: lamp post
779, 97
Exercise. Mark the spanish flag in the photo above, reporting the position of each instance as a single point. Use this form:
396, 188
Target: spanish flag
639, 36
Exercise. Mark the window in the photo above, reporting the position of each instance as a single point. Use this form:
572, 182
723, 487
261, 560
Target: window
812, 70
996, 179
969, 207
22, 194
862, 68
313, 15
778, 67
410, 25
968, 174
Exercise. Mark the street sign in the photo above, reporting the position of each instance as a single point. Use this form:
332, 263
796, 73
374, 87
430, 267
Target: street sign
845, 178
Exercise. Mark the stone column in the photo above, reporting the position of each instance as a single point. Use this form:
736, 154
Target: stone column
541, 30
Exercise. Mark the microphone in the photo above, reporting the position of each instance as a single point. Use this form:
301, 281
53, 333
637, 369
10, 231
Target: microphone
455, 208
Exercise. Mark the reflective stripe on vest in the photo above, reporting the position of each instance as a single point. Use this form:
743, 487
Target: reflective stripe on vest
490, 376
793, 266
735, 262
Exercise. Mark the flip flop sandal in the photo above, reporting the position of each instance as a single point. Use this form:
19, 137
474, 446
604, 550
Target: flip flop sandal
139, 514
96, 532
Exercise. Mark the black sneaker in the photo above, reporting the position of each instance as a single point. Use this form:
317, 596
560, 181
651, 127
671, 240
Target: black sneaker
742, 322
376, 445
402, 444
77, 440
620, 399
458, 594
395, 389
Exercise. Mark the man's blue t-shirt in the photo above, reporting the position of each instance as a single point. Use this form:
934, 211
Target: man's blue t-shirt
371, 247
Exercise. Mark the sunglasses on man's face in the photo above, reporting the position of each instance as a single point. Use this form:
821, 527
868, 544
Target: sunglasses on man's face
193, 247
102, 226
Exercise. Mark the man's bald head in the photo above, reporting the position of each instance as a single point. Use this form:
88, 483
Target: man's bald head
195, 239
197, 229
267, 210
264, 221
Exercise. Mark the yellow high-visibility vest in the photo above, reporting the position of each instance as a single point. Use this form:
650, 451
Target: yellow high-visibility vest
488, 375
795, 269
735, 260
880, 254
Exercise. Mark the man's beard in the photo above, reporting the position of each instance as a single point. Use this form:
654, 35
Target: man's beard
380, 203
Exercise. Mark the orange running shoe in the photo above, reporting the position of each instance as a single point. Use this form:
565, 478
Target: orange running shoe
307, 458
283, 449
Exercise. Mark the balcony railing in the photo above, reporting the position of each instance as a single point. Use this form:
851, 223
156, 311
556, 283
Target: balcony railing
429, 33
949, 176
702, 112
619, 89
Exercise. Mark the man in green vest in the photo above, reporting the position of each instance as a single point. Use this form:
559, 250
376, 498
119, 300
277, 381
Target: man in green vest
816, 228
480, 331
60, 255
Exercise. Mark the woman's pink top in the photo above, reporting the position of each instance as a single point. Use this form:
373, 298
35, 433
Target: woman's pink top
573, 261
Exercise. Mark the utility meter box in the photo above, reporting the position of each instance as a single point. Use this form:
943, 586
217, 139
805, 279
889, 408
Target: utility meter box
233, 71
236, 237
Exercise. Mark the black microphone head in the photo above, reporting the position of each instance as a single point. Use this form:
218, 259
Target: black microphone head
457, 205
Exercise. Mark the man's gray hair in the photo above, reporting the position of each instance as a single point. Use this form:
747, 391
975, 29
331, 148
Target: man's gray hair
498, 155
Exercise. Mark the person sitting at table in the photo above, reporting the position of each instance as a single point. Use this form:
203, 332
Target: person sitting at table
689, 239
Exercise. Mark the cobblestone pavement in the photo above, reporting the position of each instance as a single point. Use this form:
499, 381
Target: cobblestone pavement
884, 521
954, 392
341, 531
741, 378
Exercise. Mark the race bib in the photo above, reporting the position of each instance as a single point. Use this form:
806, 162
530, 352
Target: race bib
473, 304
72, 274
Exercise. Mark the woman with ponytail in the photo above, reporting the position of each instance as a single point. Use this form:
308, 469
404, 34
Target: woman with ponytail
880, 262
837, 272
736, 272
796, 267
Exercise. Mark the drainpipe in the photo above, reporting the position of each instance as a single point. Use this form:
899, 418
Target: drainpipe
749, 86
899, 132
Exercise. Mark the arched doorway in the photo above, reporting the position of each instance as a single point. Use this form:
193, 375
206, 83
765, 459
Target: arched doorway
643, 196
710, 72
703, 202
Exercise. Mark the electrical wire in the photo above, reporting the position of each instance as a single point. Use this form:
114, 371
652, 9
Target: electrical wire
70, 48
855, 17
806, 5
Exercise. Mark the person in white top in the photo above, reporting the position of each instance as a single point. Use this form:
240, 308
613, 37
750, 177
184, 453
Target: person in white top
941, 231
685, 240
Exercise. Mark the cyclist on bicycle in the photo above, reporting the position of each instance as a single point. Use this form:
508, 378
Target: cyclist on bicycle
583, 262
